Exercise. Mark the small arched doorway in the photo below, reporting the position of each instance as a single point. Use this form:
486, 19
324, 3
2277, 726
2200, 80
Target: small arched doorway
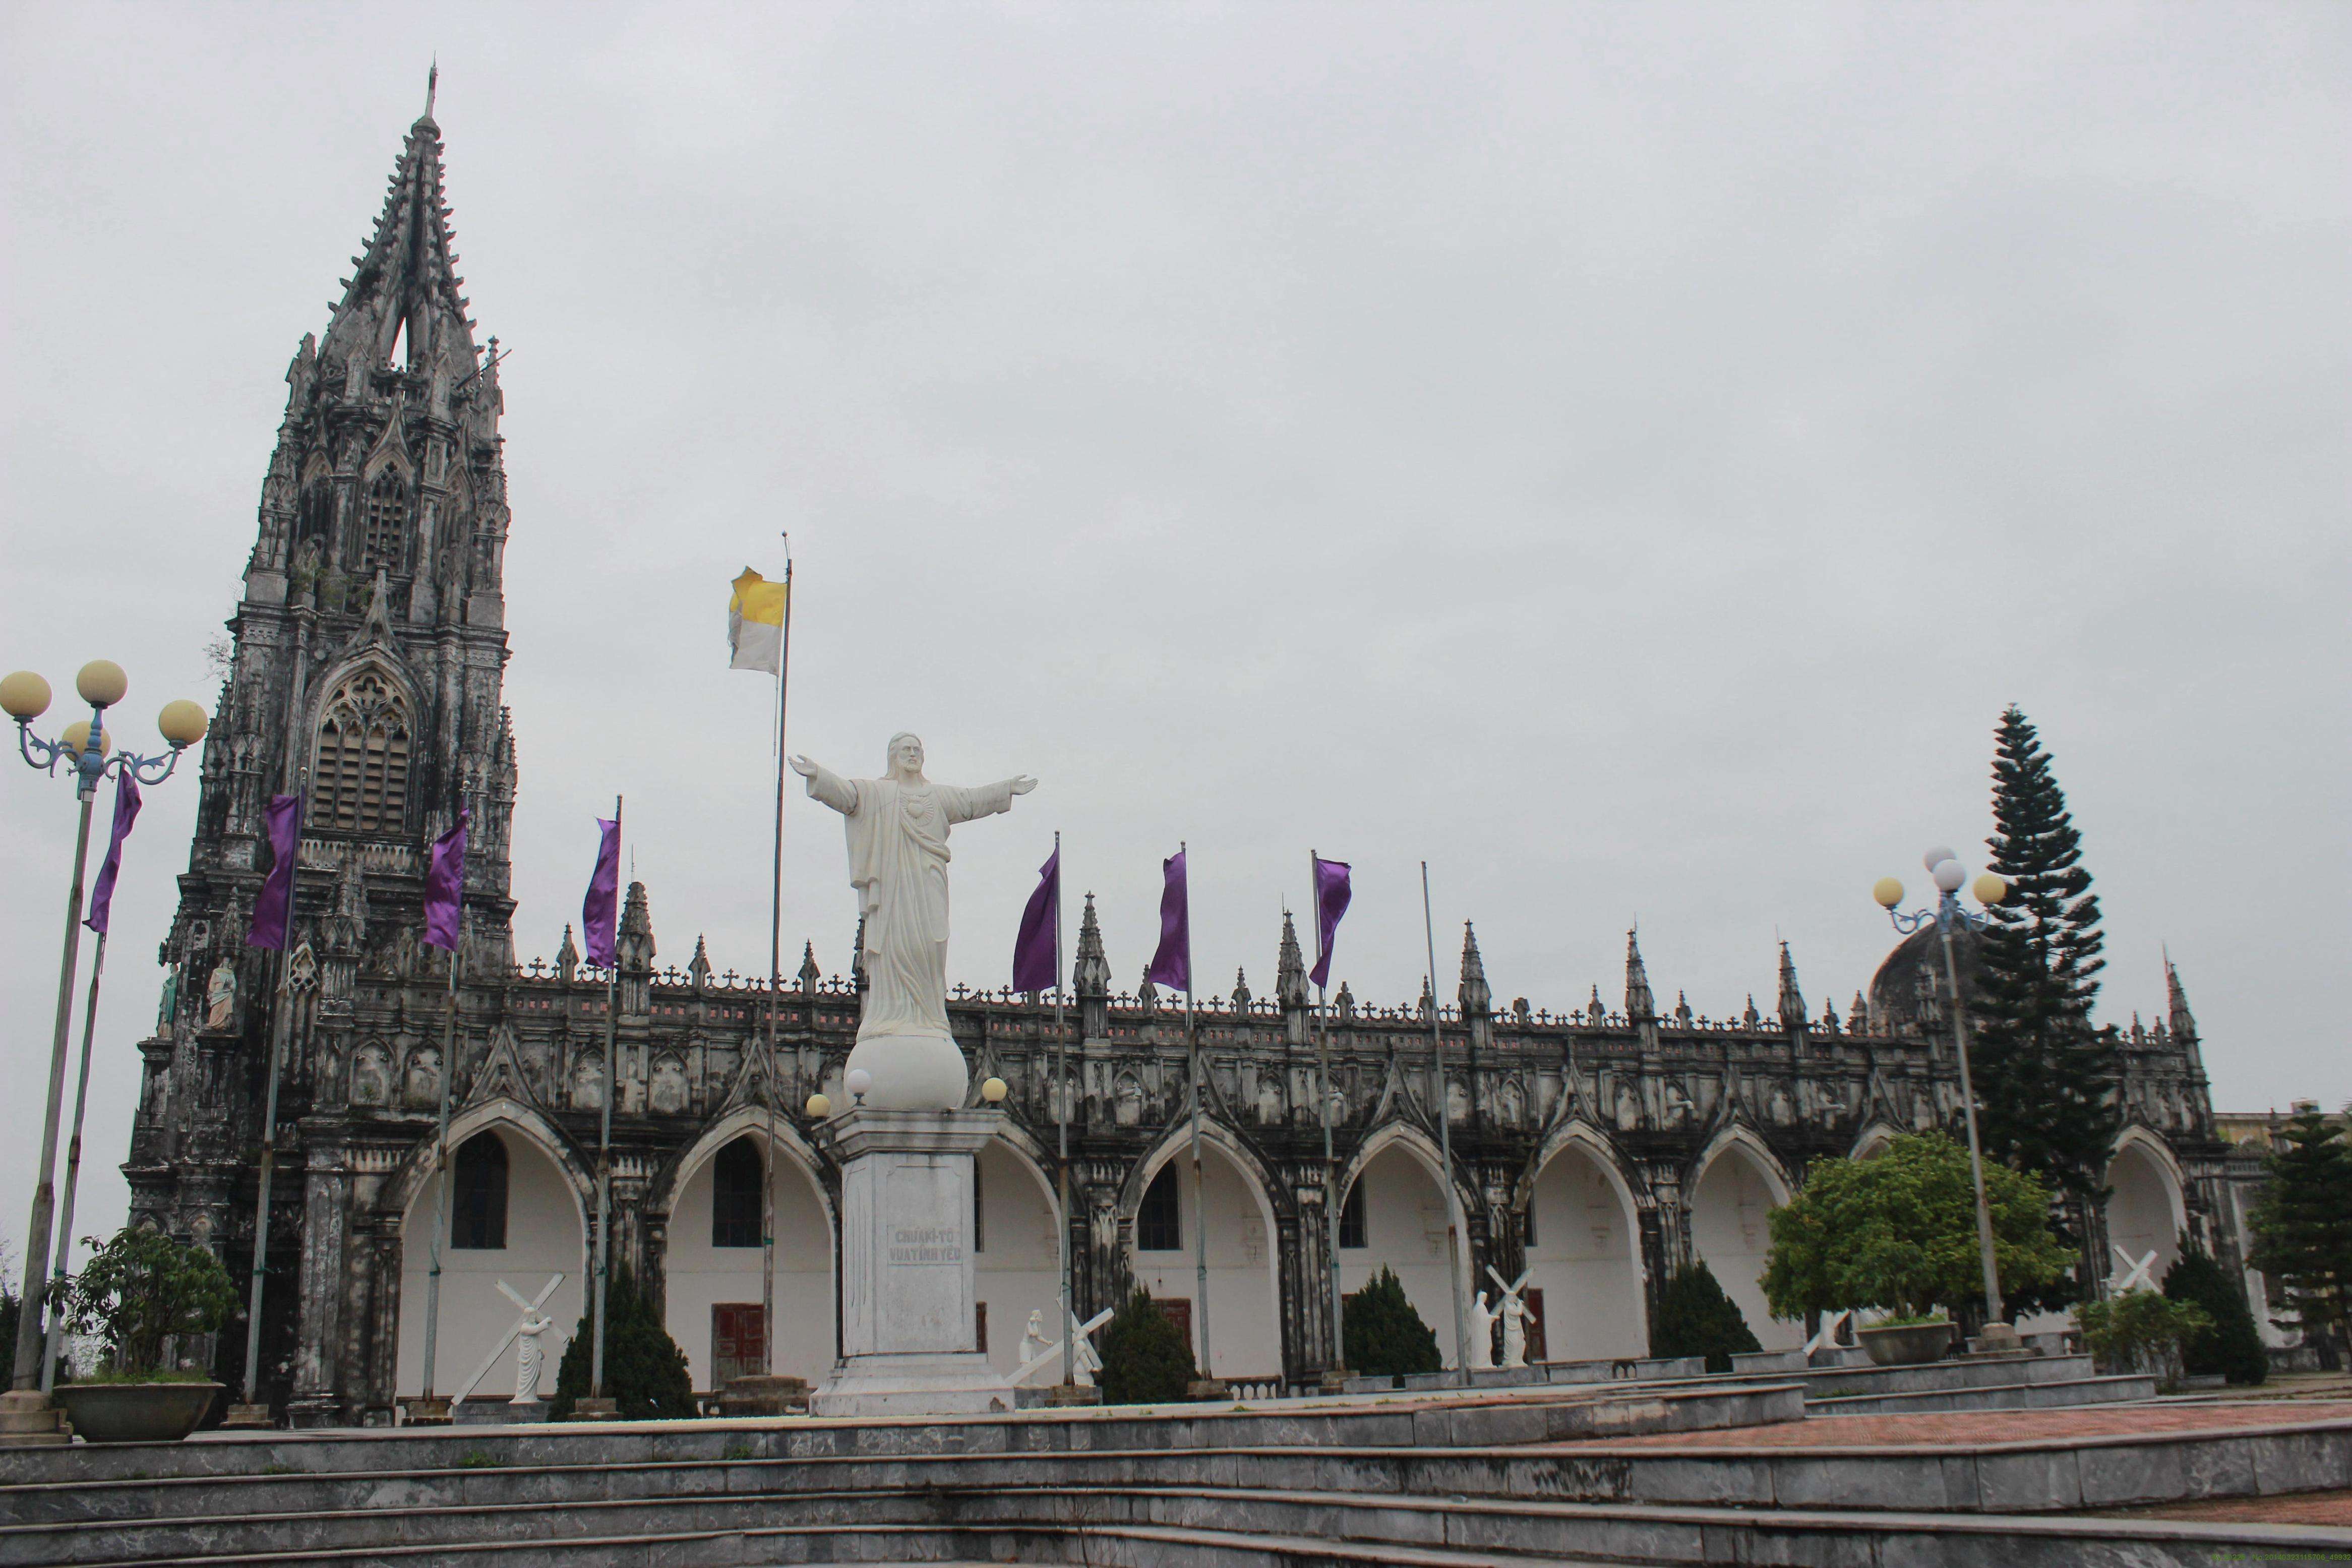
514, 1218
1584, 1254
1394, 1215
2144, 1212
1244, 1322
715, 1266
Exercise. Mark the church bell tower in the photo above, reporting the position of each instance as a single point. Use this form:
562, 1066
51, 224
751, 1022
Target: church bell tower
365, 669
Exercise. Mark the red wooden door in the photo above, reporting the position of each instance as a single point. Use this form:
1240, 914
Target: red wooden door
739, 1341
1537, 1352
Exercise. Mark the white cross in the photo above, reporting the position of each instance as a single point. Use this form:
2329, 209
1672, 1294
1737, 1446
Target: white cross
2137, 1279
1829, 1334
491, 1360
1085, 1329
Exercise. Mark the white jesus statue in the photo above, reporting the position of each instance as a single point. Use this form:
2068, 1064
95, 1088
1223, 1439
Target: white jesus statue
898, 827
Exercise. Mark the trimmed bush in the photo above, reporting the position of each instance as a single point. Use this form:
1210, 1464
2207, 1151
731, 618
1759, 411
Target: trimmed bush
2140, 1331
1145, 1358
644, 1370
1383, 1334
2233, 1347
1696, 1318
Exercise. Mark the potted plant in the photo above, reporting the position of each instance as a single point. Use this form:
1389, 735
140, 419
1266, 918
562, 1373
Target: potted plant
1898, 1232
138, 1293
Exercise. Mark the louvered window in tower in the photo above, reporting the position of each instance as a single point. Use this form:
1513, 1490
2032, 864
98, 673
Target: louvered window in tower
359, 774
385, 524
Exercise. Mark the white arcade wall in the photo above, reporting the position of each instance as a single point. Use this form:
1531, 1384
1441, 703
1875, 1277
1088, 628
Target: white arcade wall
1017, 1261
1728, 1230
1244, 1327
546, 1234
1405, 1219
701, 1275
2144, 1212
1585, 1256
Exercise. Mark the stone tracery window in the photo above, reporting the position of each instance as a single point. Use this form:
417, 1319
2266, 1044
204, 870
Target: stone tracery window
384, 523
359, 774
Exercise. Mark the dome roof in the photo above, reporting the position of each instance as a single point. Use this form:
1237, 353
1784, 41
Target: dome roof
1910, 994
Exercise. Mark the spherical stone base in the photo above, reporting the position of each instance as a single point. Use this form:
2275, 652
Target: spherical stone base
911, 1072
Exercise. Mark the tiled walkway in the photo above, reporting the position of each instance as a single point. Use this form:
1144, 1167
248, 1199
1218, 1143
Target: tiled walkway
1976, 1427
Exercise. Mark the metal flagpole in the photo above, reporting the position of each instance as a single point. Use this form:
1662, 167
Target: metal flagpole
1200, 1182
278, 1026
1330, 1157
1444, 1097
1062, 1130
775, 992
604, 1151
64, 1248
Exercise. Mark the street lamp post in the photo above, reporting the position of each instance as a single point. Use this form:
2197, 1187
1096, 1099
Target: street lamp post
28, 1417
1945, 871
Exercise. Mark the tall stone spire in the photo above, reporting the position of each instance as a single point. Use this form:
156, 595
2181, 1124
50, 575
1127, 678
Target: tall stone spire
1090, 977
810, 974
1640, 1004
1478, 1000
1290, 971
2183, 1021
1792, 1000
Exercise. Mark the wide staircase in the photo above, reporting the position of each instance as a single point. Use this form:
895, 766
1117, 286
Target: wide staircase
1689, 1471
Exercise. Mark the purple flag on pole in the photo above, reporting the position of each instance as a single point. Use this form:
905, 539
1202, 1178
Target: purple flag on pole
1172, 965
1036, 965
276, 902
126, 812
445, 887
1331, 895
602, 909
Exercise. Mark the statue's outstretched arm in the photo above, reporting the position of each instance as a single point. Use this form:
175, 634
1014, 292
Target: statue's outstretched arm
825, 785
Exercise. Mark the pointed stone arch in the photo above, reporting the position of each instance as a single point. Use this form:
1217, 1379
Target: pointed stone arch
1245, 1327
2148, 1204
1437, 1284
1874, 1139
1732, 1188
1595, 1300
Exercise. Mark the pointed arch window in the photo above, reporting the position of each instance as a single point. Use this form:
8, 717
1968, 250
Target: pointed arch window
1159, 1226
359, 774
384, 523
735, 1178
480, 1211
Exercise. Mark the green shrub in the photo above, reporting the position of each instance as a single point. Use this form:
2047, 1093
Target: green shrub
141, 1289
2233, 1347
644, 1370
2140, 1331
1696, 1318
1384, 1336
1145, 1358
1899, 1231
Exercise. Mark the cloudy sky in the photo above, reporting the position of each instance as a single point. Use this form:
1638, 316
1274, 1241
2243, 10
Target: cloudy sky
1626, 456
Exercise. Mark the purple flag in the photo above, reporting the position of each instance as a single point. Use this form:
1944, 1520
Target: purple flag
602, 909
1331, 895
126, 812
445, 887
276, 903
1037, 957
1172, 965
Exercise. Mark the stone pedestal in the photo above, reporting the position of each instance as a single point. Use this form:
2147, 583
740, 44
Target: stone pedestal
247, 1419
908, 1334
606, 1409
419, 1410
29, 1420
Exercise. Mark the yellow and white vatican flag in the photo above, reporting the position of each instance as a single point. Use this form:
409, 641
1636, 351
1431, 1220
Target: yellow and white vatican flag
755, 623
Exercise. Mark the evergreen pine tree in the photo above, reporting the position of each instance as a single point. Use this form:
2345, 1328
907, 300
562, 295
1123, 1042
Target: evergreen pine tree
2303, 1231
1696, 1318
2232, 1346
1383, 1334
1145, 1357
2044, 1075
644, 1369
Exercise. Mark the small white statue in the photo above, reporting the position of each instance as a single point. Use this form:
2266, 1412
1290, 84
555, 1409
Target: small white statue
1482, 1335
1084, 1360
220, 996
1514, 1330
1033, 1341
528, 1356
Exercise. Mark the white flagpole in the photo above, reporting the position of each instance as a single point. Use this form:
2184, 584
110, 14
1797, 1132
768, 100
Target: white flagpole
1444, 1098
775, 992
605, 1138
1200, 1182
1330, 1158
1062, 1128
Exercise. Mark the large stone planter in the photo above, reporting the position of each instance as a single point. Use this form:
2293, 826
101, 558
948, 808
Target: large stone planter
1909, 1345
135, 1411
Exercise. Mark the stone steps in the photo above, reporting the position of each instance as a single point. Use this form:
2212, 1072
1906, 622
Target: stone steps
2044, 1396
1250, 1526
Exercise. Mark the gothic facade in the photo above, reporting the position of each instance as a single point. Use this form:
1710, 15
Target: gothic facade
1594, 1150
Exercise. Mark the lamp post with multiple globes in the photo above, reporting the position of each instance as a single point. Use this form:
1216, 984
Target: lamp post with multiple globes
1945, 869
26, 1414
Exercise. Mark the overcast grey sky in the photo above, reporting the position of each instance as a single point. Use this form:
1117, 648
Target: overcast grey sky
1628, 456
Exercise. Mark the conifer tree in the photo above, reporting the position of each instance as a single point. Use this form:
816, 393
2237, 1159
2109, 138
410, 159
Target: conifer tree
2232, 1346
1694, 1316
1145, 1359
644, 1370
2045, 1077
1381, 1332
2303, 1231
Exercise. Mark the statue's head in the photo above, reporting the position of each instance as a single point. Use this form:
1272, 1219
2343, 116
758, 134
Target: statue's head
906, 753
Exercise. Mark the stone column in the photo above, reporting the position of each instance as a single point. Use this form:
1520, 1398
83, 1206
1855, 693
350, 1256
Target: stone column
317, 1399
